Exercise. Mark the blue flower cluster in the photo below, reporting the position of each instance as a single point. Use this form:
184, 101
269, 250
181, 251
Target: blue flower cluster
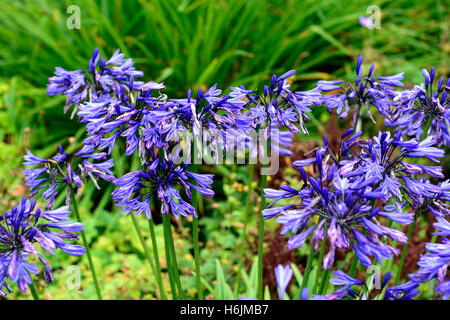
112, 105
136, 189
349, 193
435, 262
23, 232
407, 110
368, 291
367, 90
336, 207
413, 108
65, 173
348, 198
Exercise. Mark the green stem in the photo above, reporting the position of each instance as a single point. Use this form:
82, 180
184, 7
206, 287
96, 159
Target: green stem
352, 271
156, 256
144, 245
148, 255
357, 119
325, 280
175, 265
170, 249
33, 290
198, 275
405, 249
308, 268
261, 238
197, 258
427, 127
74, 208
319, 264
244, 230
167, 230
261, 220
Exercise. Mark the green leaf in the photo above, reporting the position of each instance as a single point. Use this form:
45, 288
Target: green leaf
223, 290
297, 274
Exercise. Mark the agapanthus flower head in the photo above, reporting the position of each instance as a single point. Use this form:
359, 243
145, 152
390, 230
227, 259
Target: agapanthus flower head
110, 101
161, 180
383, 163
210, 110
337, 209
372, 289
24, 231
416, 106
434, 198
64, 172
124, 113
72, 84
81, 85
367, 90
435, 262
276, 105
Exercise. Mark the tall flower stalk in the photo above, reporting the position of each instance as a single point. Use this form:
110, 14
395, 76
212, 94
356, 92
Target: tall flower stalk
74, 208
248, 202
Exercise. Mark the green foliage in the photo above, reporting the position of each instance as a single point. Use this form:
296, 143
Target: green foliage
188, 44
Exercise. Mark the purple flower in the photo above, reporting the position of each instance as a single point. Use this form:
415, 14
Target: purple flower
367, 90
343, 279
72, 84
283, 276
435, 262
335, 208
277, 105
414, 107
382, 164
64, 172
354, 289
160, 180
23, 230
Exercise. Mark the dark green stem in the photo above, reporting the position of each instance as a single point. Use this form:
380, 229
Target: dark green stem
261, 238
308, 267
319, 264
405, 249
355, 261
175, 266
324, 283
427, 127
197, 258
244, 230
156, 256
173, 257
167, 230
74, 208
195, 242
33, 291
261, 220
144, 245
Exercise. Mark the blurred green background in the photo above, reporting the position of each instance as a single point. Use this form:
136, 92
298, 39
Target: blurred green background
189, 44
